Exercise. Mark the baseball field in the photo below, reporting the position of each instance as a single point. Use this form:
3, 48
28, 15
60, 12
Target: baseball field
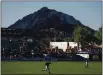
35, 67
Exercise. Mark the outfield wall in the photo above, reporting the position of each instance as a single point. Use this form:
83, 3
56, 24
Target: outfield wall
92, 57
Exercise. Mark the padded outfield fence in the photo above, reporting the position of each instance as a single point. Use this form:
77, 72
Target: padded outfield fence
74, 57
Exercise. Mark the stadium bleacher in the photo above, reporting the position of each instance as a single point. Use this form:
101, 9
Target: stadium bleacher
17, 48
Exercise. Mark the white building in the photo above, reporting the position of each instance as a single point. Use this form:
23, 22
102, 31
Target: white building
63, 45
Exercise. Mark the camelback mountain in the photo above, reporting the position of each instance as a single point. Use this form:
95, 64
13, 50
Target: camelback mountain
47, 18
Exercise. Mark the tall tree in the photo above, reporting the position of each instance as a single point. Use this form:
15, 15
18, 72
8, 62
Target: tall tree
84, 34
80, 35
98, 35
77, 34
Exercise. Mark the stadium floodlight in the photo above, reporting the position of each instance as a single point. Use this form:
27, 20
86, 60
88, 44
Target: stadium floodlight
32, 53
45, 54
10, 40
3, 49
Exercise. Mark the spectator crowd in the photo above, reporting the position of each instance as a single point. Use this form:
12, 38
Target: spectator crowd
20, 48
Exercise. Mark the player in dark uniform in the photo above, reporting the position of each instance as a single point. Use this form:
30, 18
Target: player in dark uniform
86, 63
47, 67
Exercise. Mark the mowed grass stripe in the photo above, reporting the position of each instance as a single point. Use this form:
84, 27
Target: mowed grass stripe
27, 67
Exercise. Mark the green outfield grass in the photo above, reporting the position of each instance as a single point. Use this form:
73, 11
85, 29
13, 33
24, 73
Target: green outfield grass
31, 67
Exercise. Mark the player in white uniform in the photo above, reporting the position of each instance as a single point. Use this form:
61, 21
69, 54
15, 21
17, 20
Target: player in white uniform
86, 63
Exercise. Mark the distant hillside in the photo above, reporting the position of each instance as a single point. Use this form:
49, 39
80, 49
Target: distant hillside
45, 18
48, 18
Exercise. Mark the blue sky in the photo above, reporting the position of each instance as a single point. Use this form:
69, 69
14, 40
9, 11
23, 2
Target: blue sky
88, 13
